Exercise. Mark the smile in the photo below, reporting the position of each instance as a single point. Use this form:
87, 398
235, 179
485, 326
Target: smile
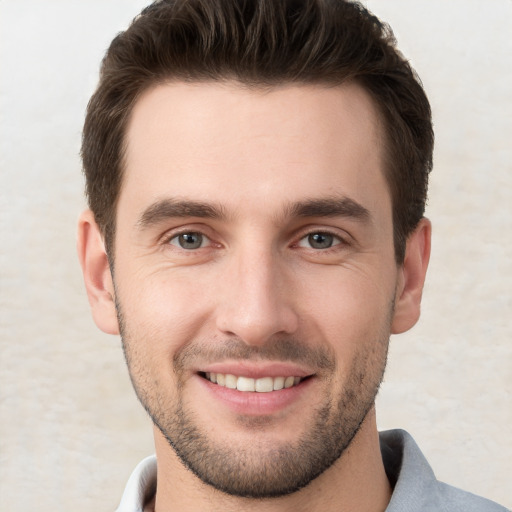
248, 384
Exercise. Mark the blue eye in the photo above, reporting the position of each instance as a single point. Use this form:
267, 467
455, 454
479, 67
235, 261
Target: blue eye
189, 241
319, 240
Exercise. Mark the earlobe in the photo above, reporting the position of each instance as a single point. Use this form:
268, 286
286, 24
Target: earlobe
412, 278
96, 272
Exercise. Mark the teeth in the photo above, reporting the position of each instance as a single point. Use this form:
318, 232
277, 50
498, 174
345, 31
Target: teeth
245, 384
262, 385
230, 381
289, 382
278, 383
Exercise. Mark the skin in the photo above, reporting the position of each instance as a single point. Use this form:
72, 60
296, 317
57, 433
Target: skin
254, 160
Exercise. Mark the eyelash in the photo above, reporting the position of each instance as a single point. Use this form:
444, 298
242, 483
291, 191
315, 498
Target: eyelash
167, 240
337, 240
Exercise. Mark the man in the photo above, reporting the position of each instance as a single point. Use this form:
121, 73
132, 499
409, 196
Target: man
257, 175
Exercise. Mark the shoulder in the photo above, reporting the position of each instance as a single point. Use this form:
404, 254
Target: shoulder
415, 487
457, 500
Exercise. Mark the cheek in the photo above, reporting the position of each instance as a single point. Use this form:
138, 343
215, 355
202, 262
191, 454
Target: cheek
350, 308
355, 321
162, 312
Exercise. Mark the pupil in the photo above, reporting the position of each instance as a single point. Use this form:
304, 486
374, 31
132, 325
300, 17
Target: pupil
320, 240
191, 240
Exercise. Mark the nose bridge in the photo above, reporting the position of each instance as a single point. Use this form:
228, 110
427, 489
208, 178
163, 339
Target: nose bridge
256, 303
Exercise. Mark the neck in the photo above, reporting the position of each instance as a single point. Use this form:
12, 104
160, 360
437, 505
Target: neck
357, 482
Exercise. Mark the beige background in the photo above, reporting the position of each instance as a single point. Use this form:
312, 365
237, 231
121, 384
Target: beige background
70, 428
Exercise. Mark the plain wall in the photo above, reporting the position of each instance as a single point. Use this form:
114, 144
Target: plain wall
71, 430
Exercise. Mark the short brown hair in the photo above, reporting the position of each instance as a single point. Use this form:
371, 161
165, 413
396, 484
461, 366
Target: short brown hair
261, 43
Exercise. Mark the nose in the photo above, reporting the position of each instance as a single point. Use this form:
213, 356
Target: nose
256, 301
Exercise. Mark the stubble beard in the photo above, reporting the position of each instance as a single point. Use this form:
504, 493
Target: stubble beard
257, 470
261, 470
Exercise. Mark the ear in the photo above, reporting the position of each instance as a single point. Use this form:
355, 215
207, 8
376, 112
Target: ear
411, 278
96, 271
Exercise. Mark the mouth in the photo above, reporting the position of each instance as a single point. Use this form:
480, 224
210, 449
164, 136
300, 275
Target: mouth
256, 390
248, 384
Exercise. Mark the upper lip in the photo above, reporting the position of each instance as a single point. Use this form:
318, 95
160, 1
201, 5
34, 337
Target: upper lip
257, 370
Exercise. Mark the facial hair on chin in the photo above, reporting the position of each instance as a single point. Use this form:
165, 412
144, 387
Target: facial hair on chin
257, 469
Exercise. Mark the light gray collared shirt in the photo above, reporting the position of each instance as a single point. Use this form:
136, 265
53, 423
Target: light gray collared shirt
415, 487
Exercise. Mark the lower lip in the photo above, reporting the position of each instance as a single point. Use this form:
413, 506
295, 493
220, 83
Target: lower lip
254, 403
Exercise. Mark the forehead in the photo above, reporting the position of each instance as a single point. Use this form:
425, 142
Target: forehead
225, 143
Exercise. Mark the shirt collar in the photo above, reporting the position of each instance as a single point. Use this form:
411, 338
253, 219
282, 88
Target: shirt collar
141, 486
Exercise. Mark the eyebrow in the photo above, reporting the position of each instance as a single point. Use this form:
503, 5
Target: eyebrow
320, 207
172, 208
329, 207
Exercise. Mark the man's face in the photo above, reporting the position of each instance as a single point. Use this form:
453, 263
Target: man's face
254, 249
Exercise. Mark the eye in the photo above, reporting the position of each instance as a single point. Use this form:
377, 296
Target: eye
319, 240
190, 240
